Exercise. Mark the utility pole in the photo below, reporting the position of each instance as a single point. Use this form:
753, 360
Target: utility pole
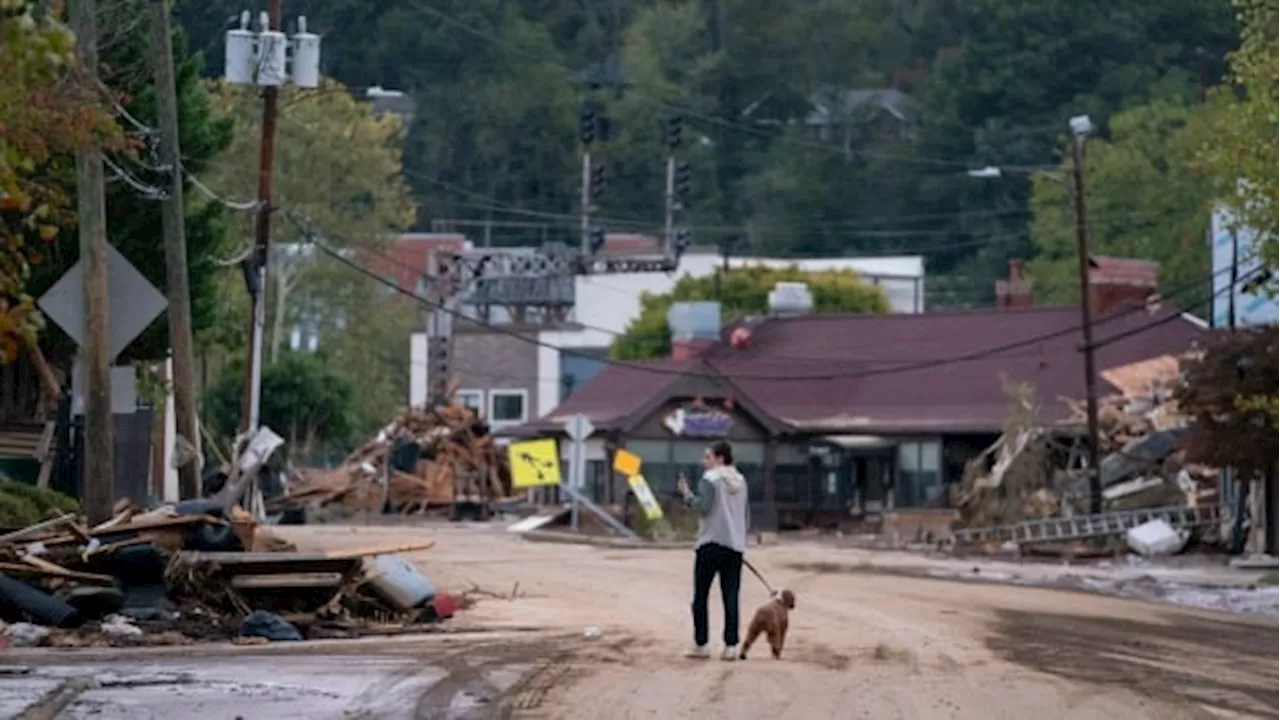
260, 59
1080, 129
91, 205
175, 249
260, 258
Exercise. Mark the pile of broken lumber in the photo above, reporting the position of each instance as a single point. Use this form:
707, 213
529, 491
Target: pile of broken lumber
192, 571
421, 460
1034, 472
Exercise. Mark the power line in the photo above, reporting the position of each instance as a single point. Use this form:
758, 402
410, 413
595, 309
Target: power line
688, 111
974, 355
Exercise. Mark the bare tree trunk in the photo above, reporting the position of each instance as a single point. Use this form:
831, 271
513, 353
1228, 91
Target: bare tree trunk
284, 286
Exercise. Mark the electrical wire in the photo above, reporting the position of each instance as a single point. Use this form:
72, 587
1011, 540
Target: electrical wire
147, 191
687, 111
965, 357
241, 206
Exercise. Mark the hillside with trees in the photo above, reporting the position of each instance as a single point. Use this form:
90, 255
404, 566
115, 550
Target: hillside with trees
842, 127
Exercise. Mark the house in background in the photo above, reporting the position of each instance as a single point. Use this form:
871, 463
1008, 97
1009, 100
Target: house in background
515, 373
895, 406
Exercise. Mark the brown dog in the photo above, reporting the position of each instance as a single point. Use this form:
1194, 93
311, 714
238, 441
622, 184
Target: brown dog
771, 619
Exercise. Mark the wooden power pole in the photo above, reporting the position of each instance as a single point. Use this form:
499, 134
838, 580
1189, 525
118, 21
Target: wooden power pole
99, 445
252, 401
175, 248
1086, 326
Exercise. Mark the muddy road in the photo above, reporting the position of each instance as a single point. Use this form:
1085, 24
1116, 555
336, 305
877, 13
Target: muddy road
862, 644
578, 632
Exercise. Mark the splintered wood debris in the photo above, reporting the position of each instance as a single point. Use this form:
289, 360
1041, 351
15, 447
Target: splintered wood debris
451, 457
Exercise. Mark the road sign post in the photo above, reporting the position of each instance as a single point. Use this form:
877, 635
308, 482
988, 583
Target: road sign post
578, 428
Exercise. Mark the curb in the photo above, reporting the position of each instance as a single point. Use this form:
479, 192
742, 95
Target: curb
553, 536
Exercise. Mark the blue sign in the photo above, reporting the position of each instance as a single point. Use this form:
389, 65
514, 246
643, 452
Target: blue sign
1253, 306
698, 422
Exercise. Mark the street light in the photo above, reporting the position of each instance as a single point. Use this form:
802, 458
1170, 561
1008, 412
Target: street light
1081, 127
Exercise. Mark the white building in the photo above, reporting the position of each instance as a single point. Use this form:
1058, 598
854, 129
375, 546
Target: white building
527, 367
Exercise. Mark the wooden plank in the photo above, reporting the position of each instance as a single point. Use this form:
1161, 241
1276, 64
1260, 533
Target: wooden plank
39, 527
171, 522
381, 550
287, 581
51, 569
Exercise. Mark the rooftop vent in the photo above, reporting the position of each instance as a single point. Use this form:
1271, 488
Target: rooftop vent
790, 298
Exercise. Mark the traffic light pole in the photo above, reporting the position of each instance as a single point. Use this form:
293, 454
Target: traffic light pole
671, 207
586, 201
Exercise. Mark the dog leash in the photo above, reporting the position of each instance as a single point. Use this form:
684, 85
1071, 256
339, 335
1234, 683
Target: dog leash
756, 572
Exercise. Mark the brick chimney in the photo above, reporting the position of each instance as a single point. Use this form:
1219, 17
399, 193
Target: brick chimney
695, 327
1016, 291
1119, 282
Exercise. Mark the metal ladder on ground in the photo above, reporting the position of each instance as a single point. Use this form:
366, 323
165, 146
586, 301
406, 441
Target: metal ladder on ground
1179, 517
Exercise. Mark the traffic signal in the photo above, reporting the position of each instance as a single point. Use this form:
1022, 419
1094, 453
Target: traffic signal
597, 180
587, 125
673, 131
684, 180
596, 240
684, 239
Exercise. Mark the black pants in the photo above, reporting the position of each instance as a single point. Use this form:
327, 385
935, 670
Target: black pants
711, 560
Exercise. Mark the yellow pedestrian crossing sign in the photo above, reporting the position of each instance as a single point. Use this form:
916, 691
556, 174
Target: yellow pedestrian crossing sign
534, 463
640, 487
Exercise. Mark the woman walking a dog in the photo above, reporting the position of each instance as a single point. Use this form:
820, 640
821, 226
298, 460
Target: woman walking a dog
721, 502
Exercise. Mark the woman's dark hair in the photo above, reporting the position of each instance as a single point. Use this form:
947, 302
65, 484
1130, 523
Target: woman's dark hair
723, 450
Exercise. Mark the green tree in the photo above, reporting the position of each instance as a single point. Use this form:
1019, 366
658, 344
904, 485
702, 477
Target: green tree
364, 328
1241, 154
1144, 201
304, 398
44, 116
1002, 95
742, 292
337, 172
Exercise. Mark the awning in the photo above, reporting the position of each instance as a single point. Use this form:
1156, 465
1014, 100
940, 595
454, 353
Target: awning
859, 442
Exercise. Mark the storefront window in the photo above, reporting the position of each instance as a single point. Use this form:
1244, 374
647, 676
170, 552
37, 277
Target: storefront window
656, 464
664, 461
749, 457
919, 475
791, 474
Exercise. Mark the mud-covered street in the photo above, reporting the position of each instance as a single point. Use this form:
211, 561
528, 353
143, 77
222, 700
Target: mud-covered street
863, 644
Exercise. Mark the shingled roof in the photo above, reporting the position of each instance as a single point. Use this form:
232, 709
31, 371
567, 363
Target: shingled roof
931, 372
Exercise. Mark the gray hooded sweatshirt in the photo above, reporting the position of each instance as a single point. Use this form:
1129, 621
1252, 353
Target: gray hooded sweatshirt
721, 499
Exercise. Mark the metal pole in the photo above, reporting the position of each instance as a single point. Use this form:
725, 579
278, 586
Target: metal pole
575, 480
175, 250
1235, 279
586, 201
99, 430
1086, 326
262, 237
671, 207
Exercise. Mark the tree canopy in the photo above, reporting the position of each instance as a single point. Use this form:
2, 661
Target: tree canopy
337, 172
742, 292
305, 398
1241, 154
1144, 200
795, 137
44, 116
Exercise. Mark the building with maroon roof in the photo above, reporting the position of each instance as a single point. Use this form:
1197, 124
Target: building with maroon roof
830, 414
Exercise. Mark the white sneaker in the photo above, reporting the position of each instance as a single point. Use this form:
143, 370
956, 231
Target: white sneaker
730, 653
697, 652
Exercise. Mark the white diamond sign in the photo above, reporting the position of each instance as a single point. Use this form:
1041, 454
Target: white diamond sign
132, 300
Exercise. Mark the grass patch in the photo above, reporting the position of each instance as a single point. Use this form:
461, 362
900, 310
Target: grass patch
22, 504
1271, 578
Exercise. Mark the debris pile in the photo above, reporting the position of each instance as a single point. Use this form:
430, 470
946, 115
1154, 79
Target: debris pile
422, 460
1033, 472
200, 569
